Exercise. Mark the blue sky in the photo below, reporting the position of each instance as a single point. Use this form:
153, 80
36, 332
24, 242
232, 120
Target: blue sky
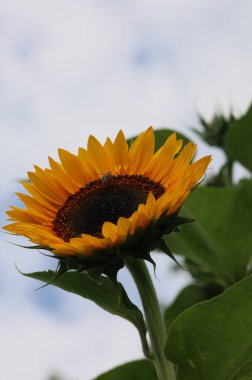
73, 68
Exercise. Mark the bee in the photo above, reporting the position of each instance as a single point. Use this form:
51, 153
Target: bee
106, 178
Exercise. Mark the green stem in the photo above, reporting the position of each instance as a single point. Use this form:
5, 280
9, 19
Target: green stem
153, 316
230, 172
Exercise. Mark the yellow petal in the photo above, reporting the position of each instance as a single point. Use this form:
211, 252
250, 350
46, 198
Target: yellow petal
88, 168
73, 168
198, 169
98, 156
39, 197
109, 230
181, 163
59, 172
121, 152
141, 152
20, 215
44, 189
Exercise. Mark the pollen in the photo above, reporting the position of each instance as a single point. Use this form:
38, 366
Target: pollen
85, 211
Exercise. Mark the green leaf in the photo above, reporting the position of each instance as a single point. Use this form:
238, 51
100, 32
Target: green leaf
213, 340
137, 370
161, 135
111, 297
188, 297
217, 246
238, 140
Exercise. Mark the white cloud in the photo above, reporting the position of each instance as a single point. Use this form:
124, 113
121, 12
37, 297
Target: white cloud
69, 70
35, 345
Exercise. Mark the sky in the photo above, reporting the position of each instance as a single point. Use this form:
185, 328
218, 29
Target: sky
69, 69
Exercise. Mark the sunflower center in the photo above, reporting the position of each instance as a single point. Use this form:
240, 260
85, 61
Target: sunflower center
102, 200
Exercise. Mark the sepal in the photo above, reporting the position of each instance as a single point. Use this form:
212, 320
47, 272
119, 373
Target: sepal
162, 246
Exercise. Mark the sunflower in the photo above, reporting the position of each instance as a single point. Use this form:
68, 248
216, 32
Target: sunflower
108, 201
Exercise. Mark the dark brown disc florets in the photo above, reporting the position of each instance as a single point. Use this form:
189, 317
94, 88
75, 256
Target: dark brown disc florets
105, 199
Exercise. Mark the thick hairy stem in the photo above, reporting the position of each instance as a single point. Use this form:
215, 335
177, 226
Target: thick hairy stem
153, 317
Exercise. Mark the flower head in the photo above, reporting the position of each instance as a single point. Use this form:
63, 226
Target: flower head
109, 201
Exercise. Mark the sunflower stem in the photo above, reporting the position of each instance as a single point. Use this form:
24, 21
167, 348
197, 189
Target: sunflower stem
153, 317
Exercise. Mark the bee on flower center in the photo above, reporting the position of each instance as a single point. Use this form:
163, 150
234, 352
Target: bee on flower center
106, 178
